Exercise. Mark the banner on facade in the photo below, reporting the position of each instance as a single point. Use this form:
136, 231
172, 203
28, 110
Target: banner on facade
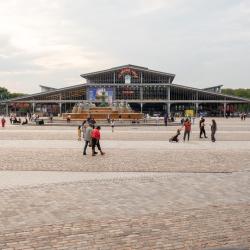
101, 94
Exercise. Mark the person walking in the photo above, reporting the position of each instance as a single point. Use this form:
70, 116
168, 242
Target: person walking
213, 130
112, 125
96, 136
87, 137
187, 129
202, 128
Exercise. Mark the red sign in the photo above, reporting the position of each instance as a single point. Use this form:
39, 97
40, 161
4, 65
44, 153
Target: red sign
128, 71
127, 91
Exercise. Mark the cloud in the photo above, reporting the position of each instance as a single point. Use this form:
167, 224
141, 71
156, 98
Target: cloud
54, 42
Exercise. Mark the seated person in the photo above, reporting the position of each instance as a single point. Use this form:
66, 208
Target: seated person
25, 121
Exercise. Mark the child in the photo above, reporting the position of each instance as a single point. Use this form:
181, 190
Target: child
79, 132
175, 137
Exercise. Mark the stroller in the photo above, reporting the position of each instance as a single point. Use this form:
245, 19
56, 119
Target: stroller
175, 137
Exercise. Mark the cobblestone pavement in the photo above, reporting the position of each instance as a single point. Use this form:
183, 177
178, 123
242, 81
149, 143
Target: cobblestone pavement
126, 156
152, 195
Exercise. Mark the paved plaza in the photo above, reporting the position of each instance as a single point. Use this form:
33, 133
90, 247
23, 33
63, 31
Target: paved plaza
144, 193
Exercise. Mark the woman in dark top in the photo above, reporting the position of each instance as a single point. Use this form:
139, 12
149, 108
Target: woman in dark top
213, 130
202, 128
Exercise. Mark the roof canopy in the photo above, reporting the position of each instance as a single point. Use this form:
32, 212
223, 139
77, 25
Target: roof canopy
129, 66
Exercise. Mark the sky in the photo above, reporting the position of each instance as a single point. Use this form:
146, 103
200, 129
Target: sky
203, 42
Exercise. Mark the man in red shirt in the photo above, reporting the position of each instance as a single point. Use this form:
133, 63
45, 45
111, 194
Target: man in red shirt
96, 136
187, 130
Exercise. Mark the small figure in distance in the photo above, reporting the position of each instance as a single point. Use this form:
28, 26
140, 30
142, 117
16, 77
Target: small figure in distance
182, 121
79, 133
202, 128
25, 121
213, 130
112, 125
175, 137
51, 117
3, 121
68, 118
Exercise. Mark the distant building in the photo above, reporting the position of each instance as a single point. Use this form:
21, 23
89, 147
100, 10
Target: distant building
143, 89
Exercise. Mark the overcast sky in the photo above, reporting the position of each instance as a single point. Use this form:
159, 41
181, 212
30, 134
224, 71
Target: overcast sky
204, 42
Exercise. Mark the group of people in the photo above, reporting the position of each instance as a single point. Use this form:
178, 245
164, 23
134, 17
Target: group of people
243, 116
15, 120
186, 125
91, 135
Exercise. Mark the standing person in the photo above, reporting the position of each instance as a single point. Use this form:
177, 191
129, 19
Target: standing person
193, 120
166, 119
51, 117
68, 118
213, 130
84, 127
187, 130
112, 125
157, 120
87, 137
96, 136
79, 132
3, 121
182, 121
202, 127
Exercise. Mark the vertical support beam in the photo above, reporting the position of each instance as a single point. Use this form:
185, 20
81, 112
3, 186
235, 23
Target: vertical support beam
114, 93
141, 93
168, 100
7, 109
196, 109
60, 108
197, 104
169, 109
33, 107
225, 108
60, 104
87, 93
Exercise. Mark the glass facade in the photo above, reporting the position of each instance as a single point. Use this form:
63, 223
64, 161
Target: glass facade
137, 85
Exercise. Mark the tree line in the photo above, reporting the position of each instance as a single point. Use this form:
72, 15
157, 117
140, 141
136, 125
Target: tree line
6, 94
245, 93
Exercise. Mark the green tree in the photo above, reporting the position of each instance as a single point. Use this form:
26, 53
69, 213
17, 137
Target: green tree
245, 93
5, 94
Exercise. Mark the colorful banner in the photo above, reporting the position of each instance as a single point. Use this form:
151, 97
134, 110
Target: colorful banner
101, 94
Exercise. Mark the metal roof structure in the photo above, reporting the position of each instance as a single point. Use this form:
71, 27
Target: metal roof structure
79, 86
131, 66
